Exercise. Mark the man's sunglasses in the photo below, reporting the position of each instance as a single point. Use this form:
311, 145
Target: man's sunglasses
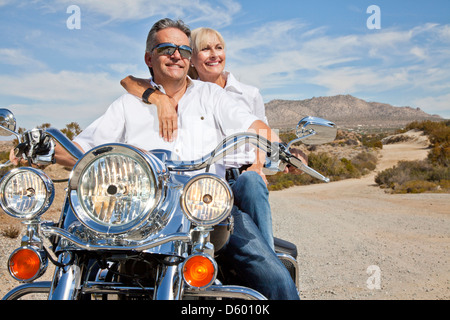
170, 48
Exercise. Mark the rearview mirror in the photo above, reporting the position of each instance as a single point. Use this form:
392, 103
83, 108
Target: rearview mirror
315, 131
7, 123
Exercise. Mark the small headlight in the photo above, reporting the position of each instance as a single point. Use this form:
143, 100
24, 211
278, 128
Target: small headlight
27, 264
26, 193
114, 189
207, 200
199, 271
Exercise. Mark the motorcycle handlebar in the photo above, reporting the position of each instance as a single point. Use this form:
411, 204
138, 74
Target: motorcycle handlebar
294, 161
273, 150
228, 145
65, 142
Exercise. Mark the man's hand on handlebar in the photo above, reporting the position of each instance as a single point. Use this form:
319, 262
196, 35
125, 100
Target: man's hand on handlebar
298, 154
37, 148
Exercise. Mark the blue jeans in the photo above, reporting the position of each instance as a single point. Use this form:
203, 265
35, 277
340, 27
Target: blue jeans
255, 262
252, 197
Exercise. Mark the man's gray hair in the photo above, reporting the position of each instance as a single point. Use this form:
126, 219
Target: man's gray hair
164, 24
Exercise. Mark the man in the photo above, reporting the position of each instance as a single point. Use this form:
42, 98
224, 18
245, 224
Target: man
205, 113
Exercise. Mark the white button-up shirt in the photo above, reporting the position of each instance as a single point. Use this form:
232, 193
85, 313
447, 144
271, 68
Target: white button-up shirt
248, 95
206, 114
252, 100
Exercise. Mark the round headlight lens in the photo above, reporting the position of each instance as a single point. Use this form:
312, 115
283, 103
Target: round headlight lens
199, 271
207, 200
27, 264
115, 191
26, 193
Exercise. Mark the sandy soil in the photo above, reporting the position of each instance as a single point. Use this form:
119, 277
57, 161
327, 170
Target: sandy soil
354, 240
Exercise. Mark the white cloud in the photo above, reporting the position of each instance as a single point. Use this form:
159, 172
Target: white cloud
381, 61
61, 86
411, 62
420, 53
64, 96
126, 69
444, 33
16, 57
435, 105
348, 80
217, 13
5, 2
33, 114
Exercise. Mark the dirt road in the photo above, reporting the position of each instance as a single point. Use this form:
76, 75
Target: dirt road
357, 242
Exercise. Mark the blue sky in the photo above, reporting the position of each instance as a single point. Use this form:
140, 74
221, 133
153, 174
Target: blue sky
292, 50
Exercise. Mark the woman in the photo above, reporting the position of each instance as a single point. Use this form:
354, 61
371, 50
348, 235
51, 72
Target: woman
208, 64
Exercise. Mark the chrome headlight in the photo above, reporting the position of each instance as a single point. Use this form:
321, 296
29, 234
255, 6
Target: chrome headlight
207, 199
26, 193
114, 189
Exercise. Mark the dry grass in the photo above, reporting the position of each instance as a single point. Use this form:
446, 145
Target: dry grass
415, 177
11, 231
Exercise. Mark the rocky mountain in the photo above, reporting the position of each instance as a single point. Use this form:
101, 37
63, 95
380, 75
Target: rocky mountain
345, 110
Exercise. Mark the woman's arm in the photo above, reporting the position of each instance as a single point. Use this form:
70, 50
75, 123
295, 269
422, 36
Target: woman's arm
167, 106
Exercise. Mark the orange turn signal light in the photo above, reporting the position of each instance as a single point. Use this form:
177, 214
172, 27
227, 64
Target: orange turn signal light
199, 271
25, 264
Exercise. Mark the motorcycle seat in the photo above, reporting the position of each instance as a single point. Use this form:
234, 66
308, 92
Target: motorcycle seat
283, 246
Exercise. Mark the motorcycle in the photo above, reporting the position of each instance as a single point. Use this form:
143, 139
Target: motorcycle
133, 225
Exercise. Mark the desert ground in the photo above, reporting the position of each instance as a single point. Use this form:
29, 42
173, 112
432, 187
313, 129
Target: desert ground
354, 240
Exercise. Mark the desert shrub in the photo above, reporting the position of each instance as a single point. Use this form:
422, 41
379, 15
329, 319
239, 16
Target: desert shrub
438, 129
11, 231
350, 169
282, 181
287, 136
71, 130
439, 135
428, 175
373, 140
440, 154
402, 172
326, 164
414, 176
416, 186
4, 156
338, 169
365, 161
445, 184
396, 139
438, 173
331, 167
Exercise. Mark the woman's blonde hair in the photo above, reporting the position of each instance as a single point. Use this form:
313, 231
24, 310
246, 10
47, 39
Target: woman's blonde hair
199, 40
200, 36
